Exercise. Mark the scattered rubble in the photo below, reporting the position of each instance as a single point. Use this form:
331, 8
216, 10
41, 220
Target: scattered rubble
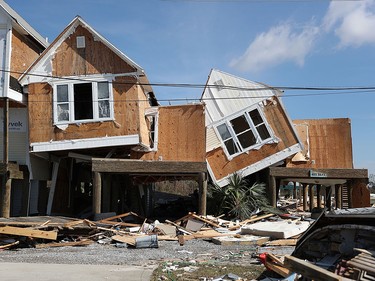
337, 246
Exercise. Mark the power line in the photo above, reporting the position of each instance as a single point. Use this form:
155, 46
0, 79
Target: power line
203, 86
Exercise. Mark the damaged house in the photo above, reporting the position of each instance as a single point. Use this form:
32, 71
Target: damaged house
249, 132
20, 45
248, 128
98, 137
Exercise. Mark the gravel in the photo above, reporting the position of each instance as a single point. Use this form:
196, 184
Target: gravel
108, 254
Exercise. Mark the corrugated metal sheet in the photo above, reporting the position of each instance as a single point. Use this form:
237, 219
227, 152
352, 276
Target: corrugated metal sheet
231, 94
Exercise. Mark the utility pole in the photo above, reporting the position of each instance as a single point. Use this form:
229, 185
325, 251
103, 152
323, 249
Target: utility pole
6, 183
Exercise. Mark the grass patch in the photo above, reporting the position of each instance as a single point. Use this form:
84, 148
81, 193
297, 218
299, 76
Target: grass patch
185, 271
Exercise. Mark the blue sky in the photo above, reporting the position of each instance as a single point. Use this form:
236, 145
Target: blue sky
285, 43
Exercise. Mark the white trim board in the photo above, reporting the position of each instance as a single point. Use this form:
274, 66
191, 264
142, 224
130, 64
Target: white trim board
260, 165
84, 143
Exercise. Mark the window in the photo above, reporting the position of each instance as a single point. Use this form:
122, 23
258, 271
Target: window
77, 102
244, 132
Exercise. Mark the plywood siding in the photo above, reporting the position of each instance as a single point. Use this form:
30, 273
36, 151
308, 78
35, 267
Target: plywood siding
276, 117
126, 96
95, 58
330, 144
40, 112
181, 134
24, 53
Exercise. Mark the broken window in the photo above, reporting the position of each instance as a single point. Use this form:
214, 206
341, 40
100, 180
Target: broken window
244, 132
76, 102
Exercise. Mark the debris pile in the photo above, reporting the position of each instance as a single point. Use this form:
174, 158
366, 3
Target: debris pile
337, 246
132, 231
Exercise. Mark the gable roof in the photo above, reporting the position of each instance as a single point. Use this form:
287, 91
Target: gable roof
24, 26
40, 62
226, 94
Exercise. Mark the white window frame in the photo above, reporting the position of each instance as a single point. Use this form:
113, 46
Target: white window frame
259, 142
95, 101
155, 116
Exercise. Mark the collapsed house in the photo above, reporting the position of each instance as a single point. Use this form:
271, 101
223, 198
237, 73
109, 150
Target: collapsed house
249, 132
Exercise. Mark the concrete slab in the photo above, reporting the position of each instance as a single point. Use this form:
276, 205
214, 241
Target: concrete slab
276, 229
73, 272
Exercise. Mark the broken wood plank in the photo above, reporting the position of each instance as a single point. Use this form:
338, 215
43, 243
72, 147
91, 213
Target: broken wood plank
179, 227
72, 223
243, 240
282, 242
205, 220
7, 246
83, 242
131, 240
19, 231
279, 269
310, 270
252, 219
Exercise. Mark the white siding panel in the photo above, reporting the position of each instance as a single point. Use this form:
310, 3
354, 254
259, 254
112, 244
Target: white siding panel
212, 141
221, 102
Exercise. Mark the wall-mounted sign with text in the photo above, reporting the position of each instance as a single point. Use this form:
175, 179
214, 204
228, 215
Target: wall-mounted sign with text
17, 120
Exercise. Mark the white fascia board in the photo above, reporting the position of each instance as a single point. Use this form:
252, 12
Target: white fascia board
43, 66
23, 23
84, 143
260, 165
17, 96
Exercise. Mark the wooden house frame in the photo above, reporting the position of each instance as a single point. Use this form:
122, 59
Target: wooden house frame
92, 110
20, 45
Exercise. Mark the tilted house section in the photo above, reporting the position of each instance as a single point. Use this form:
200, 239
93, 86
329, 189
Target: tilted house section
20, 46
247, 127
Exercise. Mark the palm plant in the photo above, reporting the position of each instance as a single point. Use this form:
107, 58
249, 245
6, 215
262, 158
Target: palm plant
238, 199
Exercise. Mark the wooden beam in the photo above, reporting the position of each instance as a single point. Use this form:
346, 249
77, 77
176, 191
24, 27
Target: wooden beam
310, 270
318, 196
147, 167
311, 197
305, 195
202, 194
331, 173
6, 196
51, 194
97, 193
273, 191
19, 231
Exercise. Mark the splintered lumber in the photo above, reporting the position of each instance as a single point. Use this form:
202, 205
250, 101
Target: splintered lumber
7, 246
282, 242
179, 227
73, 223
310, 270
205, 220
131, 240
83, 242
250, 220
279, 269
19, 231
205, 234
242, 240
